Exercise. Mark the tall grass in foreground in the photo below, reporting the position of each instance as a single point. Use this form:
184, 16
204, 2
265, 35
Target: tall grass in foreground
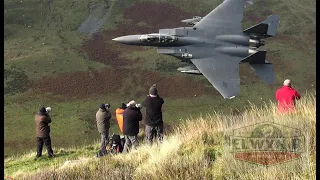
199, 149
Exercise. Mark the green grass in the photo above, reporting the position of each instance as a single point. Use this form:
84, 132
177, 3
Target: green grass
295, 59
48, 47
198, 148
28, 163
194, 6
117, 9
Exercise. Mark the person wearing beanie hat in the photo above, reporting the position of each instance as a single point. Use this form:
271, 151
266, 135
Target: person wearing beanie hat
42, 120
153, 91
123, 106
103, 117
153, 121
286, 97
102, 106
43, 110
131, 117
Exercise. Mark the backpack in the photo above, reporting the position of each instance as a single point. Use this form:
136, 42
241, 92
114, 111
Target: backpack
116, 144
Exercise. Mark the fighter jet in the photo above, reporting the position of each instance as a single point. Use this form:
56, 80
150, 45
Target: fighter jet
215, 45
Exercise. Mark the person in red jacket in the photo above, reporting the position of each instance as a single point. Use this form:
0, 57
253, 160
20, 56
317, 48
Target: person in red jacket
286, 97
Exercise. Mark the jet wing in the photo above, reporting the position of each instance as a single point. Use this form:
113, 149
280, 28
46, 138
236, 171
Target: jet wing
222, 71
229, 12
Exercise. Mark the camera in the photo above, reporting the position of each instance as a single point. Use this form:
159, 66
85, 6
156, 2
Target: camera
139, 106
48, 109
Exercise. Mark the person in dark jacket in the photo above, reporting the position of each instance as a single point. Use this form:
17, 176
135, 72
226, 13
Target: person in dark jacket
286, 97
42, 120
153, 120
131, 117
103, 116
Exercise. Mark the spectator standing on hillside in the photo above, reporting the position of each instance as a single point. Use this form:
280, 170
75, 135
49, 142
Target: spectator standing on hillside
286, 97
153, 120
42, 120
131, 117
103, 116
119, 116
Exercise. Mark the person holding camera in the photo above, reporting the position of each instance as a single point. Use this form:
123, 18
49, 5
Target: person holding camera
131, 117
42, 120
153, 121
286, 97
103, 116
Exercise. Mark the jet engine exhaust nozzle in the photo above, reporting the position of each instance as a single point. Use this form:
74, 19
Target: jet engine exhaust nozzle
252, 51
256, 42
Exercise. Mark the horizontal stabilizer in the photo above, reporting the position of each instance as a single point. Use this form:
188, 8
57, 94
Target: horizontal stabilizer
265, 72
257, 58
266, 28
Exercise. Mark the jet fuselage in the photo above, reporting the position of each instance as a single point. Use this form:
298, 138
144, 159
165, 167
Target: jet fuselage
189, 38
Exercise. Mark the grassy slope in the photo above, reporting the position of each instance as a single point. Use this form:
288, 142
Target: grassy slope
198, 148
48, 48
76, 119
42, 40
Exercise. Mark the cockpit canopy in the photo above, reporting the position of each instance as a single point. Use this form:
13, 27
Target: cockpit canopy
157, 38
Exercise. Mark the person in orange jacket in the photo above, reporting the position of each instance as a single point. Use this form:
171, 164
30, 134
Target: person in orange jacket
286, 97
119, 116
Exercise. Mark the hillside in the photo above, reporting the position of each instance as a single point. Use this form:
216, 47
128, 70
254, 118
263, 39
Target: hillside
60, 54
199, 148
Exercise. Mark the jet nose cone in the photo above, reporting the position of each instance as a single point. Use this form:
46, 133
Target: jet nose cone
118, 39
131, 39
